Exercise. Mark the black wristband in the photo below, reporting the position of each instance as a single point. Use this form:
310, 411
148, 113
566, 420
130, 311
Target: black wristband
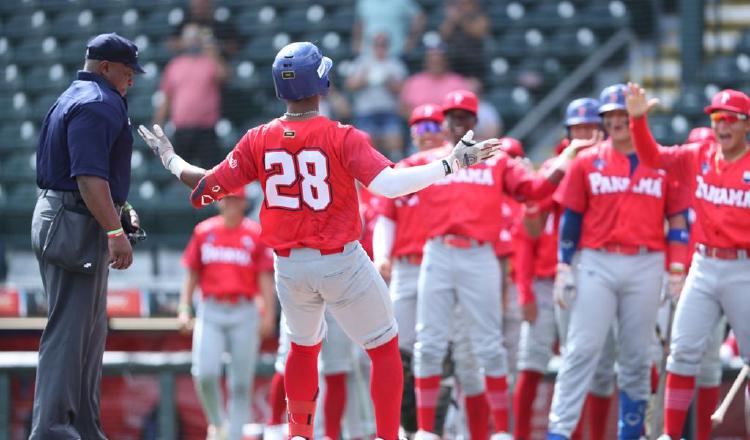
446, 167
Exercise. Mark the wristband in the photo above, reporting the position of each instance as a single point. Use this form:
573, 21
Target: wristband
676, 268
184, 308
678, 235
175, 164
115, 233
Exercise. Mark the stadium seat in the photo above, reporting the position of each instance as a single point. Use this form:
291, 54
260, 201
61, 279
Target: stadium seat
162, 22
257, 21
18, 167
34, 23
11, 78
126, 23
723, 71
74, 23
690, 101
36, 51
512, 103
552, 15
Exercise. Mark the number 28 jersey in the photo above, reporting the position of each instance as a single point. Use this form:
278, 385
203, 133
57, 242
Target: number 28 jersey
307, 170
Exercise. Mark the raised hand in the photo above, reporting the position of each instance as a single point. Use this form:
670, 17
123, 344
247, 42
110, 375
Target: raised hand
636, 102
158, 142
468, 152
578, 145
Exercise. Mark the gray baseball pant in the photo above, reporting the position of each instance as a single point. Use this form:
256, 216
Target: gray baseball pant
623, 289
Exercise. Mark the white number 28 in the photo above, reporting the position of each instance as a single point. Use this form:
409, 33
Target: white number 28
307, 170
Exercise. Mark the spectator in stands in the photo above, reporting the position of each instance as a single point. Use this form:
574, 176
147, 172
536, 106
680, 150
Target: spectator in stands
401, 20
227, 260
489, 123
192, 96
202, 14
431, 84
464, 31
376, 82
83, 168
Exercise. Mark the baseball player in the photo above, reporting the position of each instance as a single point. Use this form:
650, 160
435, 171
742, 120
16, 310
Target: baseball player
717, 172
307, 166
616, 208
226, 259
534, 265
460, 268
399, 240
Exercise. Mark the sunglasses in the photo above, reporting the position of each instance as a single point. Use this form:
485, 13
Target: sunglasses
729, 118
423, 127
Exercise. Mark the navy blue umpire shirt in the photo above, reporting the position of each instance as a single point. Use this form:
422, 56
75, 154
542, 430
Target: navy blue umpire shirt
86, 133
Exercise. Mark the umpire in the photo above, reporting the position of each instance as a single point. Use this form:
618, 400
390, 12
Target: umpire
83, 169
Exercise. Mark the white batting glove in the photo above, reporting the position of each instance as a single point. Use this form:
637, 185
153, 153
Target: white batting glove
565, 285
159, 143
468, 152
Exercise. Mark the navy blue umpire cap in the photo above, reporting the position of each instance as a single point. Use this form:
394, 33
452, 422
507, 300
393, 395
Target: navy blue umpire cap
112, 47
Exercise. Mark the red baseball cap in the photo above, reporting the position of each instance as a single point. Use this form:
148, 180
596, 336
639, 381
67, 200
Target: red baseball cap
461, 100
426, 112
700, 134
512, 147
730, 100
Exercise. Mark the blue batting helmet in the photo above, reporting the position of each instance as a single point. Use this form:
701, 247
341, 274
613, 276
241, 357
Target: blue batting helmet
300, 71
612, 98
582, 111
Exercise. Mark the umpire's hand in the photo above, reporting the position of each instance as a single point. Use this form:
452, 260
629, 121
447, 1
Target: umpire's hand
120, 252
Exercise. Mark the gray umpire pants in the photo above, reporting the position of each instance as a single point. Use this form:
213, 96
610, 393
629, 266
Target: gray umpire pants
66, 398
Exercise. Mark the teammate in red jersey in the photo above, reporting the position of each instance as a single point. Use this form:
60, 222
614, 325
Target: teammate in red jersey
718, 173
461, 272
534, 264
226, 259
616, 207
307, 166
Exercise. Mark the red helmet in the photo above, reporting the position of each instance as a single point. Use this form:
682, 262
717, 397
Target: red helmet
730, 100
512, 147
461, 100
426, 112
700, 134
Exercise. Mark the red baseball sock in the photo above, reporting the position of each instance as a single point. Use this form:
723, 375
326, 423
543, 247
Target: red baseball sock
427, 390
277, 399
577, 433
677, 398
497, 396
386, 385
334, 404
598, 415
523, 400
708, 398
478, 415
301, 383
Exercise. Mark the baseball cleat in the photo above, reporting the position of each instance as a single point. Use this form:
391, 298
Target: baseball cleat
217, 433
664, 437
501, 436
553, 436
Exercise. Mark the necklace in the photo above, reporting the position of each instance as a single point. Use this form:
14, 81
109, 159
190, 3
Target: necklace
299, 115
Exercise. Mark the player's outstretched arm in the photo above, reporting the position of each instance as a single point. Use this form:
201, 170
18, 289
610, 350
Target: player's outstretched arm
395, 182
638, 107
159, 143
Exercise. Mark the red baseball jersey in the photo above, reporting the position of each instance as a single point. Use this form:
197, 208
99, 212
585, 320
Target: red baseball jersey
720, 190
536, 257
468, 202
408, 212
307, 170
510, 211
227, 259
619, 208
368, 211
